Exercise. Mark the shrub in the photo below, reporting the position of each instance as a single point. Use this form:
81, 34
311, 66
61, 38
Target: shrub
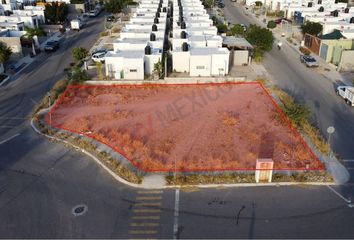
257, 54
271, 24
115, 30
79, 53
222, 28
103, 34
310, 131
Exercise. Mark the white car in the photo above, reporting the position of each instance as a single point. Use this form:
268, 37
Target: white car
98, 57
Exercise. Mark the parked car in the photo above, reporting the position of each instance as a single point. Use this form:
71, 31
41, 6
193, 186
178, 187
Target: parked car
99, 57
93, 13
279, 20
51, 46
221, 5
99, 51
347, 93
110, 18
308, 61
244, 27
233, 0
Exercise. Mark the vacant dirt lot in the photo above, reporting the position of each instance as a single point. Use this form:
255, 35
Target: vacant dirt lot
185, 128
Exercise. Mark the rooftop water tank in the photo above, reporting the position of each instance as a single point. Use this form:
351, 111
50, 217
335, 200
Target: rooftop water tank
154, 28
351, 20
185, 47
164, 9
309, 4
183, 25
152, 37
156, 20
157, 15
346, 10
321, 9
147, 50
183, 35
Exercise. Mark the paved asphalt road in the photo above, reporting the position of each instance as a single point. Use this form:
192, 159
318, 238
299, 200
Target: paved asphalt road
307, 86
41, 182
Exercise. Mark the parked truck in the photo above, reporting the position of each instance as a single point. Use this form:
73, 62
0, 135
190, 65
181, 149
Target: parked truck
76, 24
347, 93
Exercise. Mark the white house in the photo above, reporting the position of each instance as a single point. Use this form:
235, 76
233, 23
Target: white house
141, 42
196, 47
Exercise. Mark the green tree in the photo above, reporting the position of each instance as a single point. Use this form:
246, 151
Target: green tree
237, 29
99, 68
37, 31
260, 37
116, 6
208, 3
257, 54
312, 28
258, 4
5, 52
222, 28
79, 53
271, 24
79, 76
214, 19
56, 12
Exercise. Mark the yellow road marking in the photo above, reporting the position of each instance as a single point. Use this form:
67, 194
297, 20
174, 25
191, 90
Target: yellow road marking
149, 198
146, 210
142, 232
144, 224
147, 217
148, 204
150, 192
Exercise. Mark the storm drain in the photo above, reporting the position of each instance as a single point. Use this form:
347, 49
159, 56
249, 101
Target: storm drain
79, 210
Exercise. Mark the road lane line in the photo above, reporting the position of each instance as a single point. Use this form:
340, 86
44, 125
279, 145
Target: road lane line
348, 160
146, 210
146, 217
150, 192
145, 204
175, 224
8, 139
149, 198
142, 231
144, 224
339, 195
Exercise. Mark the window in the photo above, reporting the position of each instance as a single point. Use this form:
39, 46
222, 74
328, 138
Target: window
133, 70
3, 1
200, 67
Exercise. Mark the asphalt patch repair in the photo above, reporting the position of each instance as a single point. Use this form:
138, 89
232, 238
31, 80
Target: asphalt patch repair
186, 127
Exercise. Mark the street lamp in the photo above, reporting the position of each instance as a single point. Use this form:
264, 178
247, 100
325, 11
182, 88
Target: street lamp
330, 130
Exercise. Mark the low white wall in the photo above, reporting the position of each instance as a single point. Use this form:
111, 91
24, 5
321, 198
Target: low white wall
187, 80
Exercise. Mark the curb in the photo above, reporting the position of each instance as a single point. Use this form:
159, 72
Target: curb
5, 80
118, 178
115, 176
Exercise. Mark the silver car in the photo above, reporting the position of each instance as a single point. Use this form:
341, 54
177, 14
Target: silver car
309, 61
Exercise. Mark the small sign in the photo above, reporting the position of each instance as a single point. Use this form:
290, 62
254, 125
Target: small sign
264, 170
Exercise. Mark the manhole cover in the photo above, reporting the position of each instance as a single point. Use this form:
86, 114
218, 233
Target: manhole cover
79, 210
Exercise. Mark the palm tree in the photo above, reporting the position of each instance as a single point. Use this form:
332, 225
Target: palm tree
5, 52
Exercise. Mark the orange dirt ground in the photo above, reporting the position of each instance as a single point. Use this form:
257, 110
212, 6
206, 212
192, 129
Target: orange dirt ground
185, 127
